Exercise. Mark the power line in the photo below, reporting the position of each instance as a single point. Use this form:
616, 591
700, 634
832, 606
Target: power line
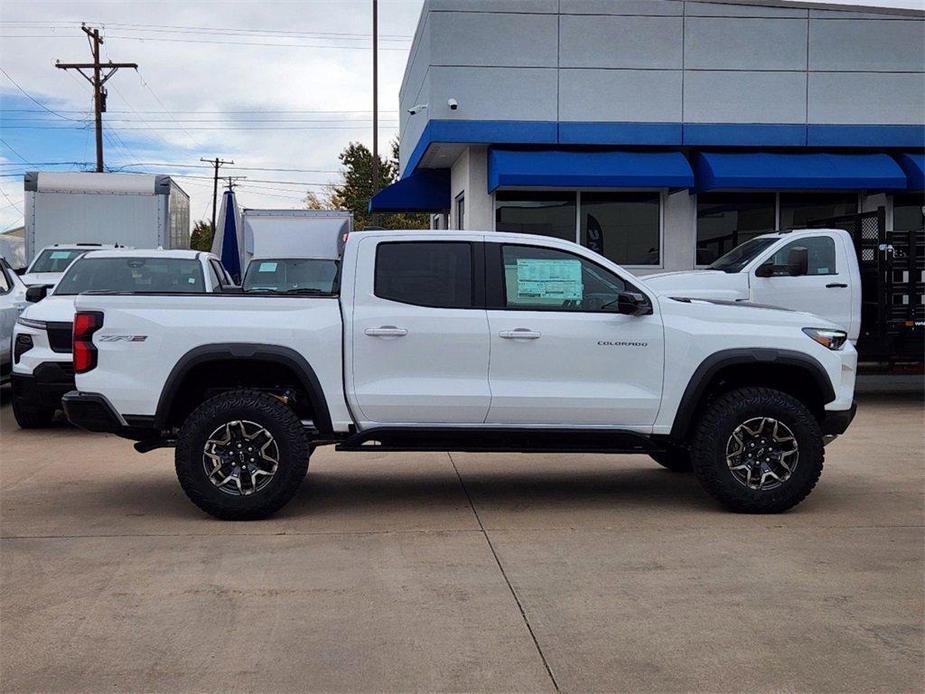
201, 41
10, 147
10, 200
197, 112
174, 28
32, 99
212, 128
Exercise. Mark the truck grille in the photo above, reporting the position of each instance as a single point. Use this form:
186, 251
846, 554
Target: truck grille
59, 336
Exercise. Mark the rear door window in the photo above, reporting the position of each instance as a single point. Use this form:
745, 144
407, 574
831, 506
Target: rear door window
438, 274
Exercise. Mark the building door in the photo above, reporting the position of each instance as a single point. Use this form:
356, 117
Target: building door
560, 354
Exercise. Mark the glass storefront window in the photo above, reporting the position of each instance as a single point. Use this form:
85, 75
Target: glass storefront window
799, 209
623, 227
909, 211
726, 220
546, 213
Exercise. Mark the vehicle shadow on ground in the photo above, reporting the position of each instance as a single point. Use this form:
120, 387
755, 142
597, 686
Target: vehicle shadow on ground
433, 499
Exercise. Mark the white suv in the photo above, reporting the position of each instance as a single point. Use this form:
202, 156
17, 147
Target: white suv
42, 370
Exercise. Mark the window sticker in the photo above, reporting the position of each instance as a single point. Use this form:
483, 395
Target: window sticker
267, 267
60, 255
549, 279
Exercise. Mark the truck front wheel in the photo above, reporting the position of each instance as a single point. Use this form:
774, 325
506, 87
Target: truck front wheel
758, 450
241, 455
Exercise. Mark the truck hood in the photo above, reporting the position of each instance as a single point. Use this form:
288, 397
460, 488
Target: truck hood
703, 284
31, 279
737, 314
52, 309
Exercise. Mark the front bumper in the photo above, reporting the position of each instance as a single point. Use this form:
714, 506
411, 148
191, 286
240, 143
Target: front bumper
45, 385
93, 412
834, 423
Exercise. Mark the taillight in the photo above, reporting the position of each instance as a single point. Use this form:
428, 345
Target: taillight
85, 324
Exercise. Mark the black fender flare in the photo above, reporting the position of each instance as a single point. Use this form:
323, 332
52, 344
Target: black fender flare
242, 350
713, 364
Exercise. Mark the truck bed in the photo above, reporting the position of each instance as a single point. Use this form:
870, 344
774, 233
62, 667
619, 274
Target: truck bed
144, 338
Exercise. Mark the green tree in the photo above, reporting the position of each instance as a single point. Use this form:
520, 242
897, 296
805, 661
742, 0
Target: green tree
201, 237
354, 192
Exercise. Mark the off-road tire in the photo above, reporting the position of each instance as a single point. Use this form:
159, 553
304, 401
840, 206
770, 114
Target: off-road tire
674, 458
722, 416
31, 417
270, 413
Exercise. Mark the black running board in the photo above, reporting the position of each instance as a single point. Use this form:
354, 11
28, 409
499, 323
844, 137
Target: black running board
497, 439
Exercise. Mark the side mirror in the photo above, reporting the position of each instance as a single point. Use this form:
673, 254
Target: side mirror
766, 270
633, 304
798, 262
36, 293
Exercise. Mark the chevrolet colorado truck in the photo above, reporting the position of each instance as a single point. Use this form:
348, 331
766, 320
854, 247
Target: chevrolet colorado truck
462, 341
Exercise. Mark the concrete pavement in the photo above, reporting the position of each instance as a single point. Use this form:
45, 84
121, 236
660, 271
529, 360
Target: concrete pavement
397, 572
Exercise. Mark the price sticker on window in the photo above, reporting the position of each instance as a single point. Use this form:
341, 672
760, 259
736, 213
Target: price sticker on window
267, 267
549, 279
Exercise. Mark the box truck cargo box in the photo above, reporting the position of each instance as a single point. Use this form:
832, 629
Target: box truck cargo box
294, 233
135, 210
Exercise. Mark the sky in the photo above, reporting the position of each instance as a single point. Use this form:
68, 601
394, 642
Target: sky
278, 86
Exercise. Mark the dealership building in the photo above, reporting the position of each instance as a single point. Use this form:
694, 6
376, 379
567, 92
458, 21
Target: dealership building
660, 133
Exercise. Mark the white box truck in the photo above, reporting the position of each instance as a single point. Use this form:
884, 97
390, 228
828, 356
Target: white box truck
316, 234
135, 210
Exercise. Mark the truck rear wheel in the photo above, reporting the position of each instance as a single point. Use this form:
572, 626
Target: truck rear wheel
241, 455
758, 450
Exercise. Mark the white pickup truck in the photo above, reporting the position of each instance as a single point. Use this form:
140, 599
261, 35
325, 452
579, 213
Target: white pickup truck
463, 341
814, 270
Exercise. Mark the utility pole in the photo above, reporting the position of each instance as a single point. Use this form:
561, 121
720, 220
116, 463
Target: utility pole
375, 96
216, 163
97, 80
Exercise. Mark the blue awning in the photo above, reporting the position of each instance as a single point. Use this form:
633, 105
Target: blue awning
914, 166
426, 190
548, 168
815, 171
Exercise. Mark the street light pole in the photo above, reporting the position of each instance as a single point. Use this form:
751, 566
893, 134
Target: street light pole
375, 96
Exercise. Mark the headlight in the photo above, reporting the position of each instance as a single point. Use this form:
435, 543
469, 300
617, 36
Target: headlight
831, 339
29, 323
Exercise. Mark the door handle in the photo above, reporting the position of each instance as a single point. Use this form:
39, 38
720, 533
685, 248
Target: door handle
836, 285
520, 334
386, 331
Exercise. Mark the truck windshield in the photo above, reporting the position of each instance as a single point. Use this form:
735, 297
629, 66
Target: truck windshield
158, 275
740, 256
55, 260
291, 275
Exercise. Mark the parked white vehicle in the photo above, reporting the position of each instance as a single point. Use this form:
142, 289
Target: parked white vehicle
812, 270
293, 234
583, 357
42, 369
50, 264
12, 302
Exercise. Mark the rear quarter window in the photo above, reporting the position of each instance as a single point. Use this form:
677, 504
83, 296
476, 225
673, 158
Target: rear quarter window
437, 274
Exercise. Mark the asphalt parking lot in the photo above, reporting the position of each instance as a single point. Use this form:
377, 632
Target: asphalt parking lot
396, 572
